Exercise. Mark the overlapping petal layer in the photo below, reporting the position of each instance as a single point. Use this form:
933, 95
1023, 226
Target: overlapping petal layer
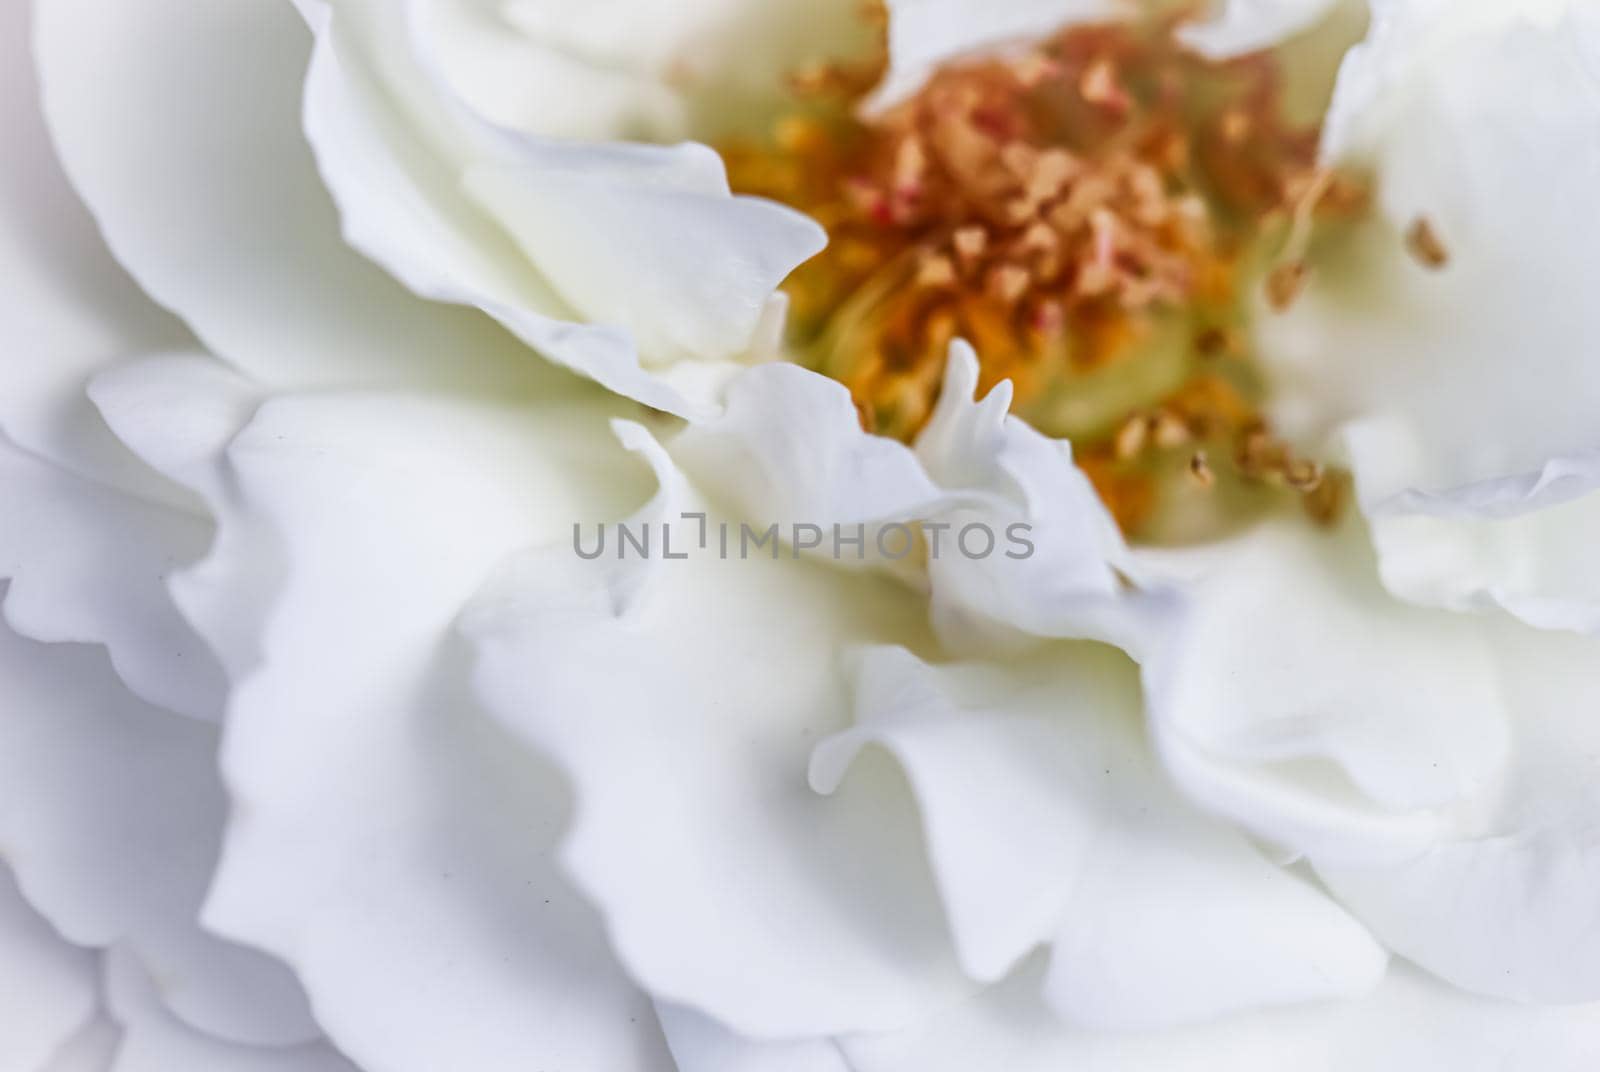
1470, 386
47, 986
111, 814
1407, 1024
1010, 540
695, 831
1048, 822
385, 841
398, 837
606, 257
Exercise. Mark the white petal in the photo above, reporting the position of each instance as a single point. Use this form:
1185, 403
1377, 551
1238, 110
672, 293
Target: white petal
1303, 702
596, 69
111, 814
700, 1044
789, 449
47, 987
683, 718
387, 840
424, 240
1509, 904
652, 261
87, 564
1466, 554
926, 33
153, 1041
1518, 544
92, 1049
1472, 386
1439, 771
179, 414
1057, 575
69, 308
1047, 822
596, 255
1410, 1024
1243, 26
216, 210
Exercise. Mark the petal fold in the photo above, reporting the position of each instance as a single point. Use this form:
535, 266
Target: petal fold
682, 717
1047, 823
111, 814
388, 840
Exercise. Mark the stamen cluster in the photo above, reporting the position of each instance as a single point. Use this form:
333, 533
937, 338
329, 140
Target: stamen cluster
1093, 213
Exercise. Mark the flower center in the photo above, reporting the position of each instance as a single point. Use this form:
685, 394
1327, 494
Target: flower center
1097, 214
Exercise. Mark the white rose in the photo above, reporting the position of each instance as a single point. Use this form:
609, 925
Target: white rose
376, 771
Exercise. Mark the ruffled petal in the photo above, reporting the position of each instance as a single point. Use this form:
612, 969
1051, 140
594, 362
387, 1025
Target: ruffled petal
47, 987
599, 255
681, 697
1508, 904
111, 814
1304, 703
69, 309
1407, 1024
178, 414
1479, 549
1470, 386
926, 33
1048, 823
387, 840
1244, 26
87, 564
1517, 544
788, 448
216, 210
154, 1041
587, 70
1438, 771
700, 1044
1011, 539
1061, 563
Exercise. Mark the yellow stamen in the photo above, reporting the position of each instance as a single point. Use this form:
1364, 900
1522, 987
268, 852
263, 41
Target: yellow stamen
1093, 214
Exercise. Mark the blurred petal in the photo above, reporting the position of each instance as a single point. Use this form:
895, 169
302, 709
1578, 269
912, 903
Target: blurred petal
69, 309
217, 211
700, 1044
178, 414
1471, 385
47, 987
597, 254
111, 814
682, 716
1509, 903
926, 33
93, 1048
1243, 26
1048, 823
153, 1041
1302, 702
1468, 555
88, 564
1408, 1024
387, 840
597, 69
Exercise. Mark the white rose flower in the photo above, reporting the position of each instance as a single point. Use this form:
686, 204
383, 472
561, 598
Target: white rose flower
329, 742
